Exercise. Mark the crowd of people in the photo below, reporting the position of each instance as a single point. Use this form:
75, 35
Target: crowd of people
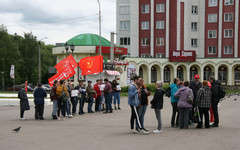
190, 102
66, 98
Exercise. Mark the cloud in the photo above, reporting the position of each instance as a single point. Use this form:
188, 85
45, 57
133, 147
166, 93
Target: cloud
59, 20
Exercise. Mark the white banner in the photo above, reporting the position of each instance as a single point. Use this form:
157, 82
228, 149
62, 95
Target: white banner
12, 72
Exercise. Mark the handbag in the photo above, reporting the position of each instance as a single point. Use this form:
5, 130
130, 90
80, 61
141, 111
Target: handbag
196, 117
189, 98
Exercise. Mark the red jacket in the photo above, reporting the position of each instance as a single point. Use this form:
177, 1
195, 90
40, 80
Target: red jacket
97, 89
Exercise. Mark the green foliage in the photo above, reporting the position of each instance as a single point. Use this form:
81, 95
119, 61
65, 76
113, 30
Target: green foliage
23, 53
124, 89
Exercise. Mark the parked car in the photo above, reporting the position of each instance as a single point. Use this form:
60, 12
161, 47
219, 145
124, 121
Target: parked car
15, 87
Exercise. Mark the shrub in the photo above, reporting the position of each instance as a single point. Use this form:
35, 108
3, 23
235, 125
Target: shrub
124, 89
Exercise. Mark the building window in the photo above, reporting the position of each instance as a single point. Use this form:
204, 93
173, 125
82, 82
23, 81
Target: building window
212, 34
228, 17
145, 8
167, 74
194, 10
125, 25
160, 25
145, 41
123, 10
180, 73
207, 73
160, 8
159, 55
153, 74
228, 33
145, 55
229, 2
193, 72
141, 72
237, 74
194, 26
125, 41
145, 25
222, 74
212, 3
212, 50
160, 41
228, 49
194, 42
212, 18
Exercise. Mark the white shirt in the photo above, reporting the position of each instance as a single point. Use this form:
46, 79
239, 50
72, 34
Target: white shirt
74, 93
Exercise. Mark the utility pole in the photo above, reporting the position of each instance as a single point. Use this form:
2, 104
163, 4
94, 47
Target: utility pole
112, 48
2, 80
100, 28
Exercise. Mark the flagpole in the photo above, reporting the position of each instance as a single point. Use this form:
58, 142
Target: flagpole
14, 76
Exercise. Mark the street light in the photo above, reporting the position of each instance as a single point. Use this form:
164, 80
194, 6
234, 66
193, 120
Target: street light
72, 47
39, 59
100, 28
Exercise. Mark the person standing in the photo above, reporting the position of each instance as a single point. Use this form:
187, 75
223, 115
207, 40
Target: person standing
81, 97
24, 104
143, 103
26, 87
102, 85
215, 99
90, 94
203, 102
54, 99
183, 105
74, 100
116, 92
107, 94
134, 95
195, 86
157, 105
39, 95
68, 103
62, 93
174, 102
97, 95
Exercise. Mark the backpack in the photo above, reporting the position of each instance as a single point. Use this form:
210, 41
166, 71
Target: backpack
222, 93
52, 93
63, 97
168, 92
189, 98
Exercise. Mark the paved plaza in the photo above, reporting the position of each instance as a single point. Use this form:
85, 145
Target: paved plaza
111, 131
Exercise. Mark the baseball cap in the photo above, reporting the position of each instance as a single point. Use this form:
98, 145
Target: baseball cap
196, 76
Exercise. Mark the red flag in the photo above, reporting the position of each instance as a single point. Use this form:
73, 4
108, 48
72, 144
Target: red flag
91, 65
65, 62
66, 73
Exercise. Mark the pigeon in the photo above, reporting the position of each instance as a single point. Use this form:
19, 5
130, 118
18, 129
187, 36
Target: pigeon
235, 99
17, 129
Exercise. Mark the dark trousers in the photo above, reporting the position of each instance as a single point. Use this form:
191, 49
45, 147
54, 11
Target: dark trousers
98, 100
134, 116
74, 101
184, 117
174, 112
62, 108
108, 101
191, 114
39, 109
21, 113
215, 113
81, 104
205, 112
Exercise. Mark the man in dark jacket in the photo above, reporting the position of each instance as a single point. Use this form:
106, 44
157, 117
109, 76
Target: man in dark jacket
157, 105
107, 94
195, 86
39, 95
24, 104
215, 99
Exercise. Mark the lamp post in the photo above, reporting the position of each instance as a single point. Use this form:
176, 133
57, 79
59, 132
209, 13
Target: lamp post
100, 29
72, 47
39, 60
2, 80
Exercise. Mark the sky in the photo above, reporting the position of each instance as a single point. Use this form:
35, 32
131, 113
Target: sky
58, 20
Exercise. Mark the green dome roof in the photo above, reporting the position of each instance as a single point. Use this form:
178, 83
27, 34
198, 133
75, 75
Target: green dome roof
88, 40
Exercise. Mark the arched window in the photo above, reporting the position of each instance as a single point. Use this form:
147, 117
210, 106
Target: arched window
153, 74
193, 72
207, 73
167, 74
237, 75
180, 73
222, 74
141, 72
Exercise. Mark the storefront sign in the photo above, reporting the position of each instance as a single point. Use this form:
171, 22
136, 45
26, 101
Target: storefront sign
182, 56
117, 50
108, 66
121, 62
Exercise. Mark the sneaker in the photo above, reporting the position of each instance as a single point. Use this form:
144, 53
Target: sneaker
70, 116
143, 132
119, 108
211, 123
157, 131
145, 129
22, 118
133, 131
59, 119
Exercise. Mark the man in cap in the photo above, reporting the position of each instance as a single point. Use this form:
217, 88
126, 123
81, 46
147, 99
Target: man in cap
195, 86
39, 95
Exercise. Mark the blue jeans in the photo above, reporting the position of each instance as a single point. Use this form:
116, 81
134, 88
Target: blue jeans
81, 102
74, 103
68, 107
141, 113
116, 98
55, 107
90, 105
108, 100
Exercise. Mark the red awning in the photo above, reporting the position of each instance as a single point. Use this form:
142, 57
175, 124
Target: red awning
112, 73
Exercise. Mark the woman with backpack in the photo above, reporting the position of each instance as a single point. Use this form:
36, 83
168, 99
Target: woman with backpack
62, 94
203, 102
183, 94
